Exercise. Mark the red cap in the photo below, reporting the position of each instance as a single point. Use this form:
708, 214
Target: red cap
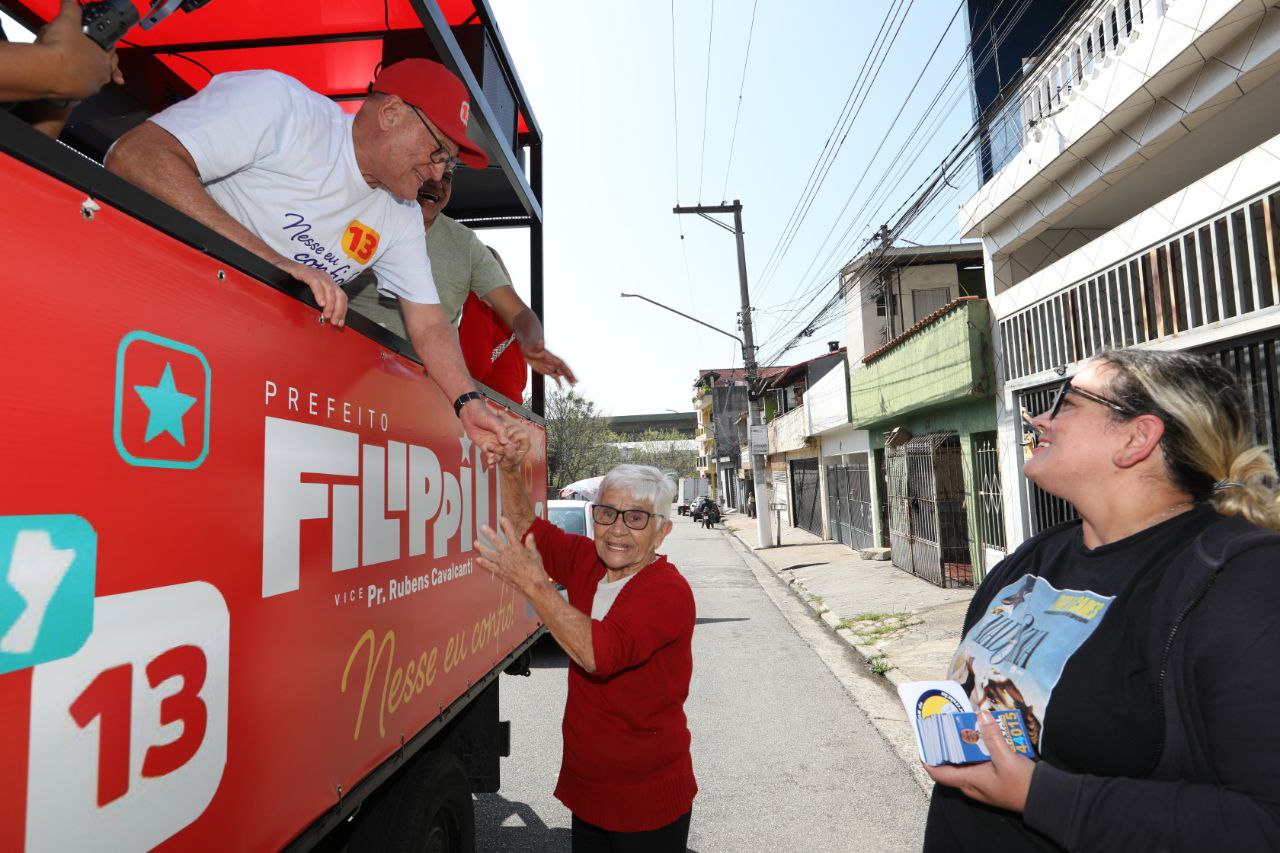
440, 95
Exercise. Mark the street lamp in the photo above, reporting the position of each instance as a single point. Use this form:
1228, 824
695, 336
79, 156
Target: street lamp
682, 314
755, 419
764, 534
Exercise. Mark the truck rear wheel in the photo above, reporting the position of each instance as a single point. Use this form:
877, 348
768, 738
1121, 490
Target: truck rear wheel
428, 810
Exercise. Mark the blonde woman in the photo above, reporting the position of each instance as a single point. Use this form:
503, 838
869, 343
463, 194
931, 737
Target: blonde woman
1141, 642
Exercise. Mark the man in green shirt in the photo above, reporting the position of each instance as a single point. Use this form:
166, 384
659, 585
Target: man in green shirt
461, 264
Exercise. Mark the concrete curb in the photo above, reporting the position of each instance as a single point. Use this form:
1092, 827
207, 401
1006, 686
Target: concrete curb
899, 621
879, 699
912, 625
869, 653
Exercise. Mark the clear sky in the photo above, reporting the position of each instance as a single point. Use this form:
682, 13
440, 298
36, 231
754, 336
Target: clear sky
599, 78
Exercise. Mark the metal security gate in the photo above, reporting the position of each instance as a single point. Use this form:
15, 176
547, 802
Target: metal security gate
928, 525
849, 504
986, 467
806, 509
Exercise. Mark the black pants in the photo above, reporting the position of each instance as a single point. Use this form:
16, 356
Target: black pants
672, 838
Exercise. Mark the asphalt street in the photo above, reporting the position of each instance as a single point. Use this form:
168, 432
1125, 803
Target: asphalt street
785, 758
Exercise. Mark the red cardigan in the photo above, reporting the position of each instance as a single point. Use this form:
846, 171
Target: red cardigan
626, 764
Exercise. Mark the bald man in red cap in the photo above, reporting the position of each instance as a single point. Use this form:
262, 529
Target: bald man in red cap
323, 195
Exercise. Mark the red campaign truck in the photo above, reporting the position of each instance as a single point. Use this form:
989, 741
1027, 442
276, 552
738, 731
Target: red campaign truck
239, 604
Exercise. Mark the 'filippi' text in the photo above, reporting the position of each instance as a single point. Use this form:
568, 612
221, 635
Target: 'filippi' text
404, 502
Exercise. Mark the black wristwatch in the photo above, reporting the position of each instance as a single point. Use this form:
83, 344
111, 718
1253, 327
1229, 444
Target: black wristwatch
464, 399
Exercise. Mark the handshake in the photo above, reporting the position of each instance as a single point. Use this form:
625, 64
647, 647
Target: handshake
510, 455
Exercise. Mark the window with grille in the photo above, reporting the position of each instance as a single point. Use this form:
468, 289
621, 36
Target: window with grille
927, 300
1254, 361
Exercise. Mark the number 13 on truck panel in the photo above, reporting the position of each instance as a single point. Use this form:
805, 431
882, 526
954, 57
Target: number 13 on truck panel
129, 735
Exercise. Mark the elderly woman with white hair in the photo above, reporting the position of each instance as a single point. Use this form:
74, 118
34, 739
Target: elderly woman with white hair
626, 774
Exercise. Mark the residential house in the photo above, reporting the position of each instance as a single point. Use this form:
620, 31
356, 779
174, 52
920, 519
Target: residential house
924, 393
1131, 197
801, 403
720, 400
704, 435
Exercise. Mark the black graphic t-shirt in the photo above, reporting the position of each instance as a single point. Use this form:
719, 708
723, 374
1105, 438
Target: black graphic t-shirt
1061, 634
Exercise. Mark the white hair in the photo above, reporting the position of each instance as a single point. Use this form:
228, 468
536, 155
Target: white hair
643, 483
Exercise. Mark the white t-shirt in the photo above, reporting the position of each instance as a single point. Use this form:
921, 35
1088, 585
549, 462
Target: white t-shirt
280, 159
606, 594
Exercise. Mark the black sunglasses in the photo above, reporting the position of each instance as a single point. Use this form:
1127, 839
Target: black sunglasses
636, 519
1067, 388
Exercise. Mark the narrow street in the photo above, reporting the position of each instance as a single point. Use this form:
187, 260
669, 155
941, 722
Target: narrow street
785, 758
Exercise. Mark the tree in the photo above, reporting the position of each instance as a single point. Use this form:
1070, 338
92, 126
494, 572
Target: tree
578, 439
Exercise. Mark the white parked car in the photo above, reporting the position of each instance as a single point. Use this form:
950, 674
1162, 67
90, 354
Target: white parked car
571, 516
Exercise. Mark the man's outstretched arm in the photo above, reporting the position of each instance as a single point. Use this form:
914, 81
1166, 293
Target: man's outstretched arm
516, 506
520, 318
436, 343
152, 158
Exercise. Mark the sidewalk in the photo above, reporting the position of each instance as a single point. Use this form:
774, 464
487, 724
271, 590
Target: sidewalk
904, 627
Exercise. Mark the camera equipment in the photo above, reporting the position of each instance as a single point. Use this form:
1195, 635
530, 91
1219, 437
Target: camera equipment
107, 21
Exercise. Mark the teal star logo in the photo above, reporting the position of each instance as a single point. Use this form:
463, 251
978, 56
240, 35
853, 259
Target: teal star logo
139, 356
165, 406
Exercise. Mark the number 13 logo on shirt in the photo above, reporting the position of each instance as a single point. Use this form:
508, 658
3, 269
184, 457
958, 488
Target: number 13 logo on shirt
129, 735
359, 241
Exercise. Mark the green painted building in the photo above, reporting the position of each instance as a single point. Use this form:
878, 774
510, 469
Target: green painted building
927, 401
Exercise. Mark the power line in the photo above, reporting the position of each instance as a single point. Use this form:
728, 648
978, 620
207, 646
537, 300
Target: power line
1010, 21
835, 129
813, 183
675, 117
738, 113
877, 261
979, 63
848, 128
898, 157
885, 138
675, 104
706, 100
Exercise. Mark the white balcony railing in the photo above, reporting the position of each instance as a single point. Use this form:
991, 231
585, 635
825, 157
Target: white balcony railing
1100, 34
788, 432
1224, 268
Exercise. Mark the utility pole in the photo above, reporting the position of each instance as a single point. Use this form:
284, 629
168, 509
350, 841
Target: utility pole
886, 284
754, 417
